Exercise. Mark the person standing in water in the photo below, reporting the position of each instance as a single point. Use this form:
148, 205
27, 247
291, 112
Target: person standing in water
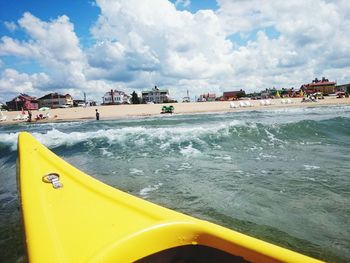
97, 115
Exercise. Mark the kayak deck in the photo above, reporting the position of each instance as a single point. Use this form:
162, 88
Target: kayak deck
69, 216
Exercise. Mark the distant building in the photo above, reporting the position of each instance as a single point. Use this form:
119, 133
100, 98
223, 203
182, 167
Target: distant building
79, 103
116, 97
155, 95
325, 86
233, 95
91, 103
207, 97
23, 101
267, 93
187, 98
343, 88
55, 100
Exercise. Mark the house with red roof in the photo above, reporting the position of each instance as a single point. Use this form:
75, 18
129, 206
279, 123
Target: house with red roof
325, 86
23, 101
233, 95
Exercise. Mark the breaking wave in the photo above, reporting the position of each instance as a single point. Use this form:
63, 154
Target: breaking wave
189, 137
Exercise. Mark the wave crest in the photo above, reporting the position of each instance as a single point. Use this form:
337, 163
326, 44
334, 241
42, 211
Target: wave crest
187, 137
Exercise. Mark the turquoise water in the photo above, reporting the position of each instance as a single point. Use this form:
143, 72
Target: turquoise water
280, 175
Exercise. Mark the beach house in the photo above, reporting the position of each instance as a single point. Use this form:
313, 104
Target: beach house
343, 88
155, 95
233, 95
325, 86
23, 101
207, 97
115, 97
55, 100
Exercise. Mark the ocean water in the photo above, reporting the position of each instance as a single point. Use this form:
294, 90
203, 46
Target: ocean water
281, 175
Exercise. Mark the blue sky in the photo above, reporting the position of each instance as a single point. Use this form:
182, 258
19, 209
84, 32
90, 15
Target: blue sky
201, 46
196, 5
81, 13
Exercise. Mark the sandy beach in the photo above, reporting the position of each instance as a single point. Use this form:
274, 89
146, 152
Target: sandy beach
141, 110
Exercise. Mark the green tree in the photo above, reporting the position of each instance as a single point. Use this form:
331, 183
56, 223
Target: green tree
135, 98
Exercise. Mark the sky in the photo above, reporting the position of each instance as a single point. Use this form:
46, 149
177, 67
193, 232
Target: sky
203, 46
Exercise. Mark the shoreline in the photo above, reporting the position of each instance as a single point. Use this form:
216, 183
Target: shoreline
112, 112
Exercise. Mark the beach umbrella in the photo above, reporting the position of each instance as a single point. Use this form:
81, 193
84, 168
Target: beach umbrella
44, 108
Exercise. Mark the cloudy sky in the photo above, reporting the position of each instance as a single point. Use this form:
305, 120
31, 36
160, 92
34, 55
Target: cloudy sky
197, 45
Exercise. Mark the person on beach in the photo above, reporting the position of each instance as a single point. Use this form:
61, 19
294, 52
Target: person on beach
97, 115
29, 116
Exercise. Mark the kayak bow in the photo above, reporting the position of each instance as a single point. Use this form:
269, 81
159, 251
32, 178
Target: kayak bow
69, 216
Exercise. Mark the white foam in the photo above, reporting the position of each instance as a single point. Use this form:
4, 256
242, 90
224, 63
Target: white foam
138, 135
105, 152
164, 146
267, 156
136, 171
145, 191
10, 139
225, 157
311, 167
140, 142
272, 137
184, 166
255, 148
189, 151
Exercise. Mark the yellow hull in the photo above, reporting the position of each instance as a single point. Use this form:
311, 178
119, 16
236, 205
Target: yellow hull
76, 218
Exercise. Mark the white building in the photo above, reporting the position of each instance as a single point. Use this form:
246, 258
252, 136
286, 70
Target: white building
116, 97
155, 95
55, 100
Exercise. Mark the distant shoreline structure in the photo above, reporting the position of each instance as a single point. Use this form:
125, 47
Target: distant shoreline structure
145, 110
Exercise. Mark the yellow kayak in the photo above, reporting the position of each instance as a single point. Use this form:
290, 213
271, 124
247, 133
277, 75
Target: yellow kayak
69, 216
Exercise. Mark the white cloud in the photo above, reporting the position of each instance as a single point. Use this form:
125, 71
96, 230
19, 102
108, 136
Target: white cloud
54, 45
56, 48
153, 37
194, 48
14, 82
312, 38
11, 26
139, 44
244, 16
12, 47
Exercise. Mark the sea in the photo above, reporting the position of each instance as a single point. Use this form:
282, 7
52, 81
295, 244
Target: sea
280, 175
